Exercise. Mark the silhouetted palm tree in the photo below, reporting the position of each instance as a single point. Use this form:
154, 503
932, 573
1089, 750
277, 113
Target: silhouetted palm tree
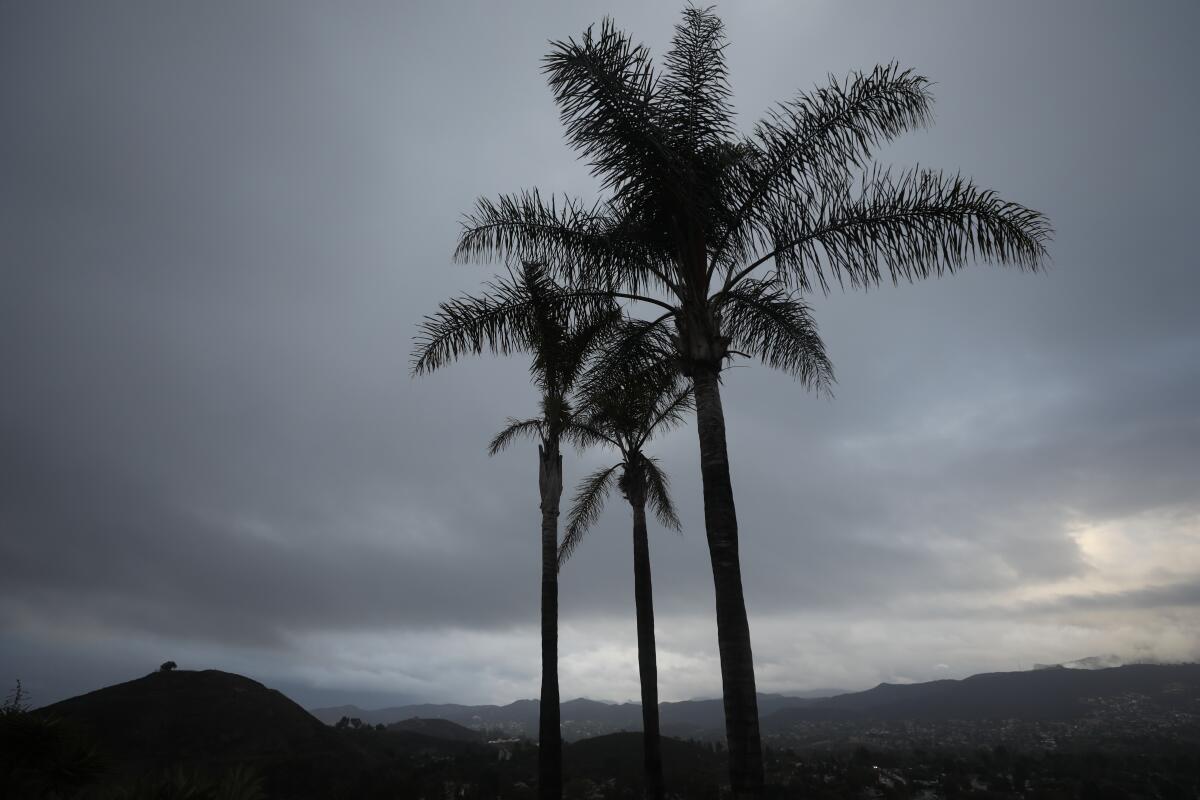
530, 313
696, 211
625, 412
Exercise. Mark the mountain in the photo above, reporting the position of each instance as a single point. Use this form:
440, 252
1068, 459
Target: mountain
209, 714
705, 719
1045, 694
1054, 693
208, 722
581, 718
213, 724
437, 729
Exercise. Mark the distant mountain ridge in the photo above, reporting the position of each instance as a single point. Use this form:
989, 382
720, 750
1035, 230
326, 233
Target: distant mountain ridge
1048, 693
581, 718
214, 723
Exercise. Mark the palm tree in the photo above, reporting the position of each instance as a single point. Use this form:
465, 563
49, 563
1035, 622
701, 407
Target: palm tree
625, 414
529, 312
720, 233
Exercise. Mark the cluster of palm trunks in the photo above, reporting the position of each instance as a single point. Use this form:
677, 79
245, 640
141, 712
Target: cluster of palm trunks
701, 251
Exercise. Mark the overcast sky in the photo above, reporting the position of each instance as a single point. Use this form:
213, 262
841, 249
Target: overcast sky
221, 222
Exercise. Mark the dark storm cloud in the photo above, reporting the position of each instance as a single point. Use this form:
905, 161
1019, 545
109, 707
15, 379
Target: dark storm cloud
219, 225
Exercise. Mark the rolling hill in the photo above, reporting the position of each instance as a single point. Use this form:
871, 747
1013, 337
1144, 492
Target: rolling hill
211, 715
1054, 693
209, 722
581, 718
437, 729
1043, 694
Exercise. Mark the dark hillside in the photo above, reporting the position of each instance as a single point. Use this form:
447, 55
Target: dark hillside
581, 718
209, 721
1045, 694
437, 729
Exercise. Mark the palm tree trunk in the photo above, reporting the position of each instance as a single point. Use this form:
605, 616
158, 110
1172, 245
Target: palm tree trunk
643, 596
549, 733
733, 630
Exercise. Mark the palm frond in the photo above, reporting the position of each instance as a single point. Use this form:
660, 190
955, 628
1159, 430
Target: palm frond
515, 429
764, 318
658, 494
914, 225
818, 138
695, 87
582, 431
572, 240
590, 331
498, 320
632, 347
564, 328
520, 312
628, 414
605, 88
586, 506
671, 409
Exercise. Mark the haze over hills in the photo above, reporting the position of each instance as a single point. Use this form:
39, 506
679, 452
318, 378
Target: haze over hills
581, 718
1095, 662
184, 729
214, 721
1043, 694
1048, 693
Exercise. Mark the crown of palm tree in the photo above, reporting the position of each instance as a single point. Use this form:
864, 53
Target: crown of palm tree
698, 216
524, 311
635, 400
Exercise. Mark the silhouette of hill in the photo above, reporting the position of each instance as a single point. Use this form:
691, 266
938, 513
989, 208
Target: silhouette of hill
214, 722
520, 717
581, 718
1053, 693
1043, 694
437, 729
207, 720
705, 719
209, 714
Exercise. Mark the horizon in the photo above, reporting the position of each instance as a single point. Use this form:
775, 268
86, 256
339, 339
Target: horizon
798, 693
814, 694
221, 224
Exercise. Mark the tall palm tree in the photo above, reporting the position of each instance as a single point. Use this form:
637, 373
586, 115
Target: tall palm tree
625, 414
529, 312
719, 233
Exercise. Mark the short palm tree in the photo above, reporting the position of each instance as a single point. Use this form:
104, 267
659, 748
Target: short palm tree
718, 232
528, 312
624, 413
